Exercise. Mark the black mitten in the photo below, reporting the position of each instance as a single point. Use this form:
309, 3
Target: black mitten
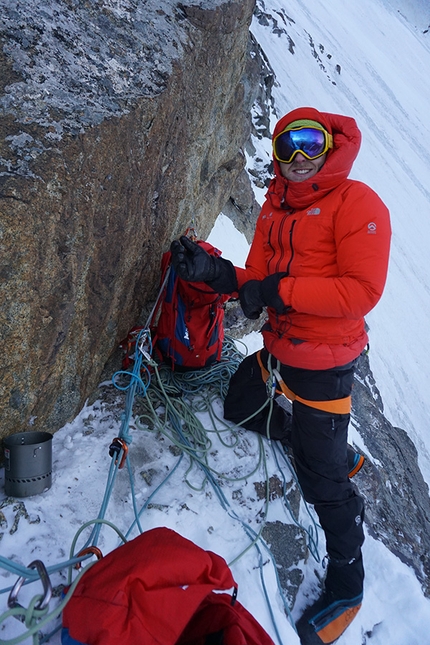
256, 294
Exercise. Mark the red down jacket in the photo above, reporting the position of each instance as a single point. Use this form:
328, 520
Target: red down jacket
331, 235
158, 590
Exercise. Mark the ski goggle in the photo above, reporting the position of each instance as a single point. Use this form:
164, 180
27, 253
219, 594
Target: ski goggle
311, 142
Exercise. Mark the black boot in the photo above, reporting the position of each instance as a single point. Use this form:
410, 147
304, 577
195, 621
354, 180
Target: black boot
328, 617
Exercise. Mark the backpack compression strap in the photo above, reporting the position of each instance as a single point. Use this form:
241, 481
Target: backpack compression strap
335, 406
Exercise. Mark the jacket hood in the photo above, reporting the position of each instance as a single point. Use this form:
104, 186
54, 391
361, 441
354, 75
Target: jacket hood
346, 143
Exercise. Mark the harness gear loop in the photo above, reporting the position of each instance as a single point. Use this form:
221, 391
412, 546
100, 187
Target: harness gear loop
335, 406
47, 587
90, 549
115, 448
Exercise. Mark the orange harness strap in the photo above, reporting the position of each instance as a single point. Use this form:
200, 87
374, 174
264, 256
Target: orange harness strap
336, 406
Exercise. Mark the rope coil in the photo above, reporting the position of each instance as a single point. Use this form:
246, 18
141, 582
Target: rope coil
183, 397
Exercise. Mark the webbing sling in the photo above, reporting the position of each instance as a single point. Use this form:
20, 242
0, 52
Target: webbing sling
335, 406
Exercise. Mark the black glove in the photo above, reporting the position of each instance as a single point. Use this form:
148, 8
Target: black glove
256, 294
193, 264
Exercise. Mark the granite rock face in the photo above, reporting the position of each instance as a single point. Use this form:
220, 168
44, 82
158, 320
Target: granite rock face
121, 124
396, 494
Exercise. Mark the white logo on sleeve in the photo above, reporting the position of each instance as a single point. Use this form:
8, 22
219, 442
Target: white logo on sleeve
371, 228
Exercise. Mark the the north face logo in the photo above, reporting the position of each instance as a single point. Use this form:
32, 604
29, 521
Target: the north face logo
313, 211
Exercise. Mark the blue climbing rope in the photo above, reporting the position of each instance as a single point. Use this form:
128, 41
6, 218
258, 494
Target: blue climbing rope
183, 396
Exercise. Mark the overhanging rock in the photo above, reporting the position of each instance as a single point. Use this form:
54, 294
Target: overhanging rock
121, 124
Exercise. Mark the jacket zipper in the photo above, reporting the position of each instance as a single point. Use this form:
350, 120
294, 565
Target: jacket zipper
278, 267
291, 247
270, 244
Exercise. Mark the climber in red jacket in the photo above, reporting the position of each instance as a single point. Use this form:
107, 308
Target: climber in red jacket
318, 264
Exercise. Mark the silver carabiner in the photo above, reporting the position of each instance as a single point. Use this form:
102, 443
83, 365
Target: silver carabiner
12, 601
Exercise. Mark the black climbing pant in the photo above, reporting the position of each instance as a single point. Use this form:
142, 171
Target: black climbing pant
319, 444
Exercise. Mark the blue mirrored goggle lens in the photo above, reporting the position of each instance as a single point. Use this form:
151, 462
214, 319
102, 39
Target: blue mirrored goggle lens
308, 140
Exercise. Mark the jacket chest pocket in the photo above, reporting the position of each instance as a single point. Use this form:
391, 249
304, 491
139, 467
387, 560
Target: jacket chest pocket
314, 246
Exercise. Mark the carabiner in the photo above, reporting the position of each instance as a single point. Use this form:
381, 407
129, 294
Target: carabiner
115, 448
47, 587
90, 549
191, 233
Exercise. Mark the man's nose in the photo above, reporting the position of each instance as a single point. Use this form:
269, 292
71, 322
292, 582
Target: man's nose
300, 157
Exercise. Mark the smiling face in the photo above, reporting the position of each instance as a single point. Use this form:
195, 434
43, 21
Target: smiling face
301, 168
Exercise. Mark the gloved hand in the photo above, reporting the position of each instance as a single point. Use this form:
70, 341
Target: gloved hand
191, 262
256, 294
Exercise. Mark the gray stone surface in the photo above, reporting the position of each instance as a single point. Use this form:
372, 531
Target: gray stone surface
396, 495
122, 123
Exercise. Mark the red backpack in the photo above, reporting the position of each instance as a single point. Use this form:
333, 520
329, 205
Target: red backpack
189, 332
158, 589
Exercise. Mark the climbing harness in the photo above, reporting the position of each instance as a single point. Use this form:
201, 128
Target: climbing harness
334, 406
